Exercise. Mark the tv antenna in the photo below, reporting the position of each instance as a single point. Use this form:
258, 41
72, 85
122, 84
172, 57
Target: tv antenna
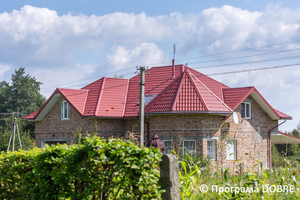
13, 131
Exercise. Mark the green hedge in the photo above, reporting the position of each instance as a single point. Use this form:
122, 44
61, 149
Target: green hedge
115, 169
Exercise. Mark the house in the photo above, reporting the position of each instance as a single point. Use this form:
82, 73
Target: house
190, 112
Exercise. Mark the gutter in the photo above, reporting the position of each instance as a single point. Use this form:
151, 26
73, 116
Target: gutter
190, 112
269, 153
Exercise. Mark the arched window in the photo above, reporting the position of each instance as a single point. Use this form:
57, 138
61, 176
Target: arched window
65, 110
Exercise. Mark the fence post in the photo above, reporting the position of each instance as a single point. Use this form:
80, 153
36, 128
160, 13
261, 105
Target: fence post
169, 177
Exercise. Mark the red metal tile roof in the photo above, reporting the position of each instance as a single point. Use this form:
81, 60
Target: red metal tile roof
112, 100
77, 98
156, 80
186, 94
187, 91
213, 85
212, 101
93, 96
31, 115
234, 96
283, 115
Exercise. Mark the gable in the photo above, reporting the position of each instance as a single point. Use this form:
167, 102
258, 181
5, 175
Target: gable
233, 97
76, 98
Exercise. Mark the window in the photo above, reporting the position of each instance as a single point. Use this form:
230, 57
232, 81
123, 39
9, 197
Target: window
211, 149
189, 147
246, 110
65, 110
148, 98
231, 150
50, 143
53, 141
168, 145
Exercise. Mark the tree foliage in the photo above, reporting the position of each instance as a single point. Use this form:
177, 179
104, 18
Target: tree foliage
23, 96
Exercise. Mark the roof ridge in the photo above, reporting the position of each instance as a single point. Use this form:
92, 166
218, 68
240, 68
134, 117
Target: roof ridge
99, 97
93, 82
206, 76
177, 92
237, 88
125, 100
85, 100
115, 78
211, 92
72, 89
196, 88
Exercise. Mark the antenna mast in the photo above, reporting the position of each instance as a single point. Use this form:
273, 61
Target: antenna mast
13, 133
173, 62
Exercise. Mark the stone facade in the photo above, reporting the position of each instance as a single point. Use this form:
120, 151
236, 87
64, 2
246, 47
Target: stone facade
251, 135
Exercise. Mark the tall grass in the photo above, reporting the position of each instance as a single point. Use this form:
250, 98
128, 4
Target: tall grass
196, 173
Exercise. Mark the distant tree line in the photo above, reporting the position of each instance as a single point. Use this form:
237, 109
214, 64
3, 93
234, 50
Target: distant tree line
291, 151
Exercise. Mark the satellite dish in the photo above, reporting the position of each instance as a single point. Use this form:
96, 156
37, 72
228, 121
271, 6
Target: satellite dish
235, 118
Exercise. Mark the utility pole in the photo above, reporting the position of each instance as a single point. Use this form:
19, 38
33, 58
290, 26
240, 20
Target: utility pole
13, 133
141, 113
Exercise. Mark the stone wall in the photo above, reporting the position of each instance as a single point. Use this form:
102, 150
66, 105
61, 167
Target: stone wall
251, 135
53, 127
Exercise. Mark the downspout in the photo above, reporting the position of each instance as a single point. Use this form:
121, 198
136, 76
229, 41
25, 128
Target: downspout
269, 154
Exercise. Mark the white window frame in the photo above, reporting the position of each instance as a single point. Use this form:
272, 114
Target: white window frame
194, 153
247, 115
214, 157
45, 140
64, 107
229, 151
168, 148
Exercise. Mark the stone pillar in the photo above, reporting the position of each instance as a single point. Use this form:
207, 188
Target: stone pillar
169, 177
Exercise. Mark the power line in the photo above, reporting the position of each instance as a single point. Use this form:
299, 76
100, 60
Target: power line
250, 62
234, 51
87, 81
249, 56
227, 52
249, 70
209, 66
222, 73
129, 68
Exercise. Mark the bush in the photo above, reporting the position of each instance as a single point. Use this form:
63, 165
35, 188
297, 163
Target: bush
113, 169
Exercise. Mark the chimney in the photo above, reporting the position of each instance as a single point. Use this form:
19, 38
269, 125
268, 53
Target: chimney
173, 68
182, 68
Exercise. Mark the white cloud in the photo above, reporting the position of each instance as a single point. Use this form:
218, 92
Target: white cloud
3, 69
38, 36
73, 77
144, 54
223, 28
230, 28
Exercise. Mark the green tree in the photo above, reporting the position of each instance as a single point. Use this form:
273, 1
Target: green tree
295, 147
26, 140
23, 96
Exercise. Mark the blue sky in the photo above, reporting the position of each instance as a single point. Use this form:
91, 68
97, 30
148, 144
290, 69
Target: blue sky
71, 43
